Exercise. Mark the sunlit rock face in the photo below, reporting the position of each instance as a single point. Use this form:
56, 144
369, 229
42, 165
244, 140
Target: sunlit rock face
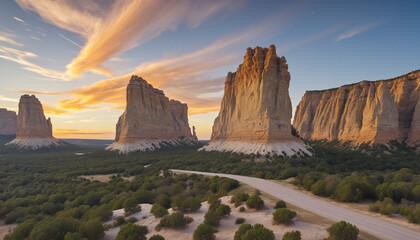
33, 129
255, 114
151, 120
368, 111
8, 122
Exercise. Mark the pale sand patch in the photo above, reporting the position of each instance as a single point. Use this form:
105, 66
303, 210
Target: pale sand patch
227, 227
103, 177
6, 229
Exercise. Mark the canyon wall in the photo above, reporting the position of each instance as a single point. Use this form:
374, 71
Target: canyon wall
8, 122
368, 111
255, 113
151, 120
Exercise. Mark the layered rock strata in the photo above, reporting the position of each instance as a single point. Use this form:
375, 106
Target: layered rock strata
255, 114
368, 111
150, 120
33, 129
8, 122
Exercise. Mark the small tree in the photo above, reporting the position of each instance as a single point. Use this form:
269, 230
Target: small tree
342, 231
293, 235
92, 229
156, 237
241, 231
280, 204
130, 206
257, 232
158, 211
212, 218
175, 220
254, 201
191, 204
132, 231
204, 232
284, 216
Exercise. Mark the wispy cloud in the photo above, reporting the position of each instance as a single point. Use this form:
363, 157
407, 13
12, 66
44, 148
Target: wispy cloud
358, 30
7, 38
35, 38
48, 109
69, 40
125, 24
7, 99
18, 19
23, 58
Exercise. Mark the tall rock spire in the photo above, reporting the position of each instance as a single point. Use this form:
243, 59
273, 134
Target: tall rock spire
256, 111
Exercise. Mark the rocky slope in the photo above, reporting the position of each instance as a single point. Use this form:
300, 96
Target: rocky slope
368, 111
151, 120
8, 122
33, 129
255, 114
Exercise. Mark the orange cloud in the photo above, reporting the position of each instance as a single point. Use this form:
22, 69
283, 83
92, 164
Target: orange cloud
121, 26
53, 110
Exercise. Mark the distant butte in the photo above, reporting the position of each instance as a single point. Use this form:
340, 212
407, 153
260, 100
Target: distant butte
151, 121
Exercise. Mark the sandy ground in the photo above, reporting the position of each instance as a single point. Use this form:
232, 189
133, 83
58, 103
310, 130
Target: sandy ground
6, 229
103, 177
227, 227
362, 207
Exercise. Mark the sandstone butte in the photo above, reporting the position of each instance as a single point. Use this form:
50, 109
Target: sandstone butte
151, 121
364, 112
8, 121
256, 111
34, 131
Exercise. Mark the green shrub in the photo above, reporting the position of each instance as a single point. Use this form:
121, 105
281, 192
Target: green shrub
414, 216
132, 231
318, 188
53, 228
256, 232
156, 237
163, 200
191, 204
120, 220
74, 236
342, 231
92, 229
175, 220
284, 216
386, 207
212, 218
242, 209
22, 231
158, 211
293, 235
130, 206
239, 197
204, 232
132, 220
240, 220
254, 201
280, 204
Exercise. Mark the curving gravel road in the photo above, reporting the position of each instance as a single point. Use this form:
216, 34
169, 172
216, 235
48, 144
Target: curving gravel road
377, 227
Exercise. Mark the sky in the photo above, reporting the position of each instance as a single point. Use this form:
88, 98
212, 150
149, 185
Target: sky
77, 56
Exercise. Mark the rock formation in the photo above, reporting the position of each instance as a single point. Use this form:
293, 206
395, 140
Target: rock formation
255, 114
8, 121
33, 129
150, 120
368, 111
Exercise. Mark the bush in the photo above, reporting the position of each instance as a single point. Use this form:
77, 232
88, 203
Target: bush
22, 231
241, 209
130, 206
158, 211
204, 232
293, 235
73, 236
119, 221
156, 237
132, 220
318, 188
132, 231
239, 198
53, 228
414, 216
175, 220
257, 232
240, 220
254, 201
212, 218
386, 207
163, 200
280, 204
284, 216
191, 204
342, 231
92, 229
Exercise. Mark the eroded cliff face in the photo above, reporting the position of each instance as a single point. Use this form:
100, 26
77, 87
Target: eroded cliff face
33, 129
150, 120
368, 111
256, 110
8, 122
